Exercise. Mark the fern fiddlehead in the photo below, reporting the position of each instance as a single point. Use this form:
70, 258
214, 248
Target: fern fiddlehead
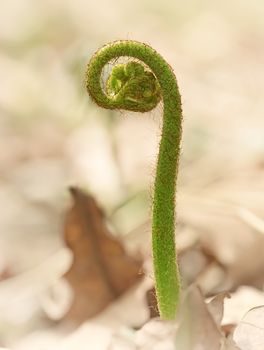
140, 87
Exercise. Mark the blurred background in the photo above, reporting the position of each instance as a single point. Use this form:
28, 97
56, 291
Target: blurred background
52, 136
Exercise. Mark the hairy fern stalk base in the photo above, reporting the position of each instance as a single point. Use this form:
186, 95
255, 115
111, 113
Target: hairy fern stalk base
140, 87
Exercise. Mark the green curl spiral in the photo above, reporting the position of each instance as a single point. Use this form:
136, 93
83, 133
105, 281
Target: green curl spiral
139, 86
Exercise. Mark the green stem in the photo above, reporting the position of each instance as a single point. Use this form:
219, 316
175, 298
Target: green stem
139, 87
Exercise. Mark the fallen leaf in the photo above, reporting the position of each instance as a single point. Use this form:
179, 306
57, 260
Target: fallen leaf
101, 269
244, 299
231, 234
249, 334
216, 307
196, 327
156, 335
20, 290
200, 323
99, 332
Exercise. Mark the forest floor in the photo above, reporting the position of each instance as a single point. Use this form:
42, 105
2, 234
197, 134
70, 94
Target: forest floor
67, 166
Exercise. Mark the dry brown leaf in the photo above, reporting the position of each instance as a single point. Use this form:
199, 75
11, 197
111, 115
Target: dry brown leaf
101, 269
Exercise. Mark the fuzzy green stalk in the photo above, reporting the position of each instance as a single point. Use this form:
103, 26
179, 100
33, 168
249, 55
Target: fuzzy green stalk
139, 86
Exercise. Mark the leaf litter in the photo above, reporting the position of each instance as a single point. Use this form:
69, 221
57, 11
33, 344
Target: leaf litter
211, 223
109, 328
101, 269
